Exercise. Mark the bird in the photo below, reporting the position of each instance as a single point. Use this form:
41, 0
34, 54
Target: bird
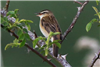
48, 23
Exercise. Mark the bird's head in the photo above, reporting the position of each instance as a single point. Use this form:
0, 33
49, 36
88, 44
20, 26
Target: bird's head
44, 13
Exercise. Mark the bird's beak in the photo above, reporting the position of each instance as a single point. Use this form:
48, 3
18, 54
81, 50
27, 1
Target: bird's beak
37, 14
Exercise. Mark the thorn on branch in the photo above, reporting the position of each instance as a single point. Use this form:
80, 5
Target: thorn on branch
79, 8
64, 56
96, 55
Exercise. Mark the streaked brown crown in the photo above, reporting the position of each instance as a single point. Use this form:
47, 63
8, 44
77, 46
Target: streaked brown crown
45, 12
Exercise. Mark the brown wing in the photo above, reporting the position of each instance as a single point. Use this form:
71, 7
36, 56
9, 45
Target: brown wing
50, 24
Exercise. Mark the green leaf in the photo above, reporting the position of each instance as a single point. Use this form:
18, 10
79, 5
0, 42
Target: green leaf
22, 20
27, 36
97, 14
56, 33
96, 10
52, 33
29, 21
11, 45
88, 26
13, 13
35, 42
16, 11
55, 41
28, 26
2, 20
93, 20
22, 43
10, 26
8, 45
16, 41
57, 44
5, 19
5, 23
41, 38
10, 13
25, 30
14, 44
97, 1
20, 26
17, 21
21, 37
42, 47
20, 32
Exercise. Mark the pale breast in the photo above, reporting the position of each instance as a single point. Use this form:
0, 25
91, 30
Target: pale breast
44, 32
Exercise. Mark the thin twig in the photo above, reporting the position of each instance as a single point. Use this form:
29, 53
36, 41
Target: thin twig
74, 21
10, 31
44, 58
7, 5
97, 56
78, 2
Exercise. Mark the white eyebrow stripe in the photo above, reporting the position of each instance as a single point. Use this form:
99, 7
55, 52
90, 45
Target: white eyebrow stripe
44, 11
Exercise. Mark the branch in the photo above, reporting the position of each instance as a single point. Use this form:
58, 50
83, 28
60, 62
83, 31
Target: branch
10, 31
33, 50
97, 56
44, 58
74, 20
78, 2
7, 5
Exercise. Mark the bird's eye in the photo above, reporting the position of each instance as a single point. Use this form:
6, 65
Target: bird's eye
43, 12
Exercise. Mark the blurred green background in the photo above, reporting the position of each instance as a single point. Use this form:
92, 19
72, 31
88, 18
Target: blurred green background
64, 12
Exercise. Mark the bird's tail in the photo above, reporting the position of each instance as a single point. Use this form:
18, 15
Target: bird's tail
55, 50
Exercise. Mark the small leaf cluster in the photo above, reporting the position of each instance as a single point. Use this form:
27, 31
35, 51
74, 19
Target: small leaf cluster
14, 44
47, 42
21, 27
4, 21
89, 25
